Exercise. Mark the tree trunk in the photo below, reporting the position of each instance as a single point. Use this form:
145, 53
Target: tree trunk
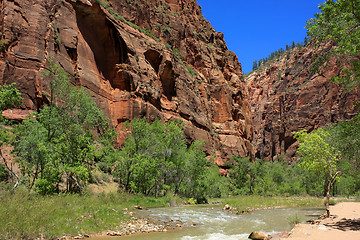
8, 168
328, 194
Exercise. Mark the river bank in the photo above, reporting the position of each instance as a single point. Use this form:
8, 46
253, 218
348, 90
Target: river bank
344, 223
209, 222
57, 216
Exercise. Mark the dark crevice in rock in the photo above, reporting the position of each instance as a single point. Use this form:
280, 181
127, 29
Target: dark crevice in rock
167, 78
155, 102
108, 47
72, 52
237, 115
154, 58
289, 140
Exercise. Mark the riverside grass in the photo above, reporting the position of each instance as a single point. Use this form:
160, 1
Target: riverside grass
244, 204
27, 215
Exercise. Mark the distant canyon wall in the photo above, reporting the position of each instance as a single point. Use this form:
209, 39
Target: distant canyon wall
288, 96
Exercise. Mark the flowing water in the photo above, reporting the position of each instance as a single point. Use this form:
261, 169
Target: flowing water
211, 222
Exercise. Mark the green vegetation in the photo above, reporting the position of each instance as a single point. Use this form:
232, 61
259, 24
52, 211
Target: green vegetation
27, 215
118, 17
190, 70
318, 156
243, 204
68, 144
178, 55
277, 54
155, 159
276, 178
338, 21
10, 96
58, 148
3, 43
293, 220
328, 151
56, 33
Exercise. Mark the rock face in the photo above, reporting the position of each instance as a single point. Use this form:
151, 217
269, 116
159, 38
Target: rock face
288, 96
146, 58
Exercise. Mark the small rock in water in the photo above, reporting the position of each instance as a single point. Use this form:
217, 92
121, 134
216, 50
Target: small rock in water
259, 236
138, 207
227, 207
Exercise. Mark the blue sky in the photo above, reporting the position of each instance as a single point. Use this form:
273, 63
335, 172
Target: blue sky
254, 29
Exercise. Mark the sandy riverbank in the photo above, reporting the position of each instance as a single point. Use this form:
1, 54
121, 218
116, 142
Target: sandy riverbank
344, 223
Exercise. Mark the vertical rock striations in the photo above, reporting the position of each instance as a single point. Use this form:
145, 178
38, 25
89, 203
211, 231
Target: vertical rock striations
146, 58
287, 96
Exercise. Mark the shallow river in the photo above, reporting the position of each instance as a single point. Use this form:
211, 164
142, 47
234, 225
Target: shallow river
211, 222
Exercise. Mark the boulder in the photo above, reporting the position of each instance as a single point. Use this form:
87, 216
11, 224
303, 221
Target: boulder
259, 236
16, 114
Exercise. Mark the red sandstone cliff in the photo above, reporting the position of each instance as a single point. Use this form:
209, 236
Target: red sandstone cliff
288, 96
109, 49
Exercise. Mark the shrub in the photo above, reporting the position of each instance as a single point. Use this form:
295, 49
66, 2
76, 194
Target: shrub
9, 96
293, 220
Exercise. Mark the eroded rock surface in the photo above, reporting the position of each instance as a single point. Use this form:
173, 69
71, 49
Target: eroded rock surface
288, 96
146, 58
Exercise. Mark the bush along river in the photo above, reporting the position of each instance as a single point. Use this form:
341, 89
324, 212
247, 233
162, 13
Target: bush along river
212, 222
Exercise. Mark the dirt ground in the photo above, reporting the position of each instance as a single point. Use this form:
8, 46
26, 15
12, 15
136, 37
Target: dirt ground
343, 224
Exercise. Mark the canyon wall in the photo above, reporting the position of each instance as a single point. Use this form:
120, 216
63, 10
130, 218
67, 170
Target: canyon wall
146, 58
288, 95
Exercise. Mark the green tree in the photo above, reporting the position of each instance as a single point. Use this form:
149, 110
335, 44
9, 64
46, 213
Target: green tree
9, 97
63, 141
155, 159
242, 175
345, 137
319, 156
339, 22
255, 65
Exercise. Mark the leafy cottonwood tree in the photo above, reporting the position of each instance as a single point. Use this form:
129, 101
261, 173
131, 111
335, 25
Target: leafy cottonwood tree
319, 156
60, 145
155, 159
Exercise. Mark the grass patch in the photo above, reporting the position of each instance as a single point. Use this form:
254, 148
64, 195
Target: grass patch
27, 215
332, 202
249, 203
293, 220
191, 71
